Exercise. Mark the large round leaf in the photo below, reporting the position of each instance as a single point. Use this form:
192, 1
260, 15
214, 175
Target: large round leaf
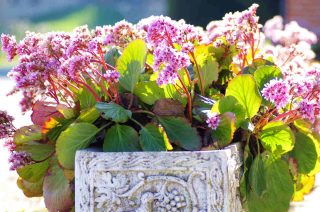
152, 139
57, 191
266, 73
181, 133
34, 172
30, 189
245, 90
76, 136
230, 104
121, 138
305, 151
114, 112
131, 64
279, 188
277, 138
38, 151
149, 92
225, 130
26, 134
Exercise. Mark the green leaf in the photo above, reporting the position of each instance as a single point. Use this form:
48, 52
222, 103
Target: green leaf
149, 92
89, 115
277, 138
209, 71
57, 191
86, 98
181, 133
27, 134
114, 112
224, 132
279, 188
244, 89
38, 151
76, 136
171, 92
306, 152
121, 138
257, 176
30, 189
112, 56
33, 172
151, 138
266, 73
255, 65
67, 112
131, 64
230, 104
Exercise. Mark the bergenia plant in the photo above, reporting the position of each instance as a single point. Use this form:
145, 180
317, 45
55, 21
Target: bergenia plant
164, 85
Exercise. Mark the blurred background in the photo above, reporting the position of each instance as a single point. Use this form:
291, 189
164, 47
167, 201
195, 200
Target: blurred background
17, 16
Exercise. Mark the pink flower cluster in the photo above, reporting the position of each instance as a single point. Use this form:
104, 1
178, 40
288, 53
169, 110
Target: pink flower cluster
213, 120
162, 34
112, 76
235, 27
19, 159
9, 46
6, 127
121, 34
277, 92
49, 61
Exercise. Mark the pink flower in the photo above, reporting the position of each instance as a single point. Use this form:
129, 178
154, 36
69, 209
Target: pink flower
9, 144
19, 159
112, 76
307, 110
9, 46
6, 127
167, 76
213, 120
277, 92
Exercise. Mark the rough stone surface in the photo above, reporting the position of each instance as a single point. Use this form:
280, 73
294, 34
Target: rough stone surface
158, 181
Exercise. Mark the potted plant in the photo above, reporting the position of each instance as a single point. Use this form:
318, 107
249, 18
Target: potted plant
151, 96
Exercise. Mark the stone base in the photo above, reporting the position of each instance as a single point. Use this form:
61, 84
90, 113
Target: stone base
158, 181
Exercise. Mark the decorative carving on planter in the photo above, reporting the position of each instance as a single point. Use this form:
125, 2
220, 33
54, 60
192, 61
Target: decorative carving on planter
157, 181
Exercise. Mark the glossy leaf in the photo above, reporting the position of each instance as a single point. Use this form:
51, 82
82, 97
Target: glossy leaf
76, 136
121, 138
30, 189
27, 134
304, 185
181, 133
149, 92
88, 115
244, 89
34, 172
42, 111
209, 71
151, 138
266, 73
225, 130
131, 64
279, 188
86, 98
57, 191
305, 152
114, 112
230, 104
257, 176
277, 138
38, 151
67, 112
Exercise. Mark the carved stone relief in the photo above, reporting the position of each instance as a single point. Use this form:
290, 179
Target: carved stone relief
158, 181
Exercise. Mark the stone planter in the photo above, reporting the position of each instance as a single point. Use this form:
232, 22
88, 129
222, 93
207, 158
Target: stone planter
158, 181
